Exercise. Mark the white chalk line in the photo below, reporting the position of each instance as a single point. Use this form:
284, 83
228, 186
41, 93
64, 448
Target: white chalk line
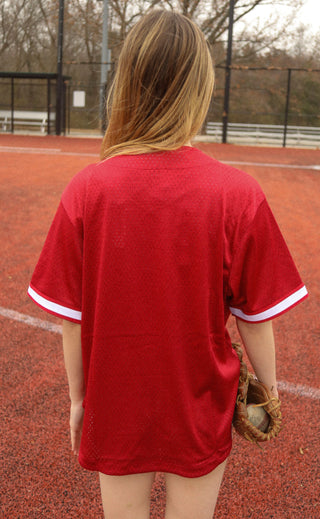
18, 149
45, 151
31, 321
299, 389
57, 151
267, 165
295, 389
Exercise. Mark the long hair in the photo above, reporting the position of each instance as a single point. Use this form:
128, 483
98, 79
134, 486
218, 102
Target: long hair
162, 87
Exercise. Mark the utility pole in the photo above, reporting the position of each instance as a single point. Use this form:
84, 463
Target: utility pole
228, 75
59, 95
104, 65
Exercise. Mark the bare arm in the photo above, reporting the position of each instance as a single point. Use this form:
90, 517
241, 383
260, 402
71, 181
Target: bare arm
71, 338
258, 340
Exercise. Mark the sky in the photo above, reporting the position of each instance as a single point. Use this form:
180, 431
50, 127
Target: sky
309, 14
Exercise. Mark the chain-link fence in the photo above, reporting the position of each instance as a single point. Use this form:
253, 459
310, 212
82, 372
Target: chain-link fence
259, 97
28, 102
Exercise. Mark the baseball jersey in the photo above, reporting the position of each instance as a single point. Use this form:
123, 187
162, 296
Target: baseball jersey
151, 253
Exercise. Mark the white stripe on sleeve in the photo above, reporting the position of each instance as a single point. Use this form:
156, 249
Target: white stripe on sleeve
273, 311
62, 311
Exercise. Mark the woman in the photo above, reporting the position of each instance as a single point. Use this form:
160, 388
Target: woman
150, 251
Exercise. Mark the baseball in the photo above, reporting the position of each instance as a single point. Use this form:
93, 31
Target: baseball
258, 417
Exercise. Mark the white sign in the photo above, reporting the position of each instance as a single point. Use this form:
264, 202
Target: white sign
79, 98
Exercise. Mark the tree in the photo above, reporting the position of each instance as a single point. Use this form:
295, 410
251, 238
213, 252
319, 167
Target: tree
213, 18
28, 41
28, 27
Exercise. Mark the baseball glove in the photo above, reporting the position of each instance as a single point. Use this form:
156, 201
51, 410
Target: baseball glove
251, 391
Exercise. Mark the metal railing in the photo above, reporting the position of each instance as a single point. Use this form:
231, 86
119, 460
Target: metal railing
265, 134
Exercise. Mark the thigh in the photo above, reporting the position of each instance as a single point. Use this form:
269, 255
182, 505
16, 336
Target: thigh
193, 498
126, 497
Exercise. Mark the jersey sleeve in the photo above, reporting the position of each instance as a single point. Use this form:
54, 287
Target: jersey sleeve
56, 284
263, 281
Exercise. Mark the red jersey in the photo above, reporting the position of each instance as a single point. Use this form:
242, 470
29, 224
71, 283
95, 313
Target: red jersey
151, 253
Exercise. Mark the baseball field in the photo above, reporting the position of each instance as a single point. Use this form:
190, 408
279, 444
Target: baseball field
40, 478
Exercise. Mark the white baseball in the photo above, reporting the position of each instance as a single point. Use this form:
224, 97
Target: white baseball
258, 417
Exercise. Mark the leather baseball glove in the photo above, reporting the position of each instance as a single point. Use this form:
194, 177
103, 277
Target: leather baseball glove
251, 391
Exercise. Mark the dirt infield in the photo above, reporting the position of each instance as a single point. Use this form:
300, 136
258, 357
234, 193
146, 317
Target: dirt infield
39, 476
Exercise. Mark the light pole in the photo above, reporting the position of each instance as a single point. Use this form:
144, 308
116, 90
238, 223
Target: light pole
59, 93
228, 75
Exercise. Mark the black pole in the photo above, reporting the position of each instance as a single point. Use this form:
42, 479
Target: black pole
69, 105
104, 65
12, 105
228, 75
64, 107
48, 105
59, 99
286, 116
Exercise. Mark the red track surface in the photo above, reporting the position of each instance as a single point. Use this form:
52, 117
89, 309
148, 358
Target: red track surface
40, 478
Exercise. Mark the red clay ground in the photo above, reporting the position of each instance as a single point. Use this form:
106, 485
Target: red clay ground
40, 478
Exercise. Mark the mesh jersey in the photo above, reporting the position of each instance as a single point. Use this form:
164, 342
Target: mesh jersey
151, 253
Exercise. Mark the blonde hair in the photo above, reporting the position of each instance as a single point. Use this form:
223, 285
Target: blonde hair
162, 87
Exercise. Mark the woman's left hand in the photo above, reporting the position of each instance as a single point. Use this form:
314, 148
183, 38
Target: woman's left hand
76, 421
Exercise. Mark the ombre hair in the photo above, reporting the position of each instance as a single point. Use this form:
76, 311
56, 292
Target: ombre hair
162, 87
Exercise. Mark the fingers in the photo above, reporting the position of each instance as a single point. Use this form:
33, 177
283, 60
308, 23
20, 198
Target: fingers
75, 441
274, 391
76, 421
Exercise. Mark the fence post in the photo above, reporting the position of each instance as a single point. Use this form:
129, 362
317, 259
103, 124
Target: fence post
228, 75
64, 106
69, 107
286, 115
12, 105
103, 109
48, 104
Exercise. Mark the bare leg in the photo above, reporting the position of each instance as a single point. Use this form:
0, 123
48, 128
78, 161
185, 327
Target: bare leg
193, 498
126, 497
